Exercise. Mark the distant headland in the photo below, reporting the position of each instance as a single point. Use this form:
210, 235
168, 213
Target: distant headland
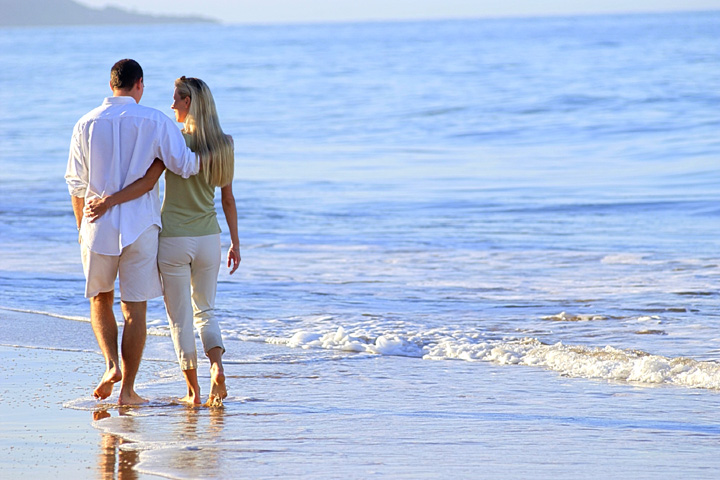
21, 13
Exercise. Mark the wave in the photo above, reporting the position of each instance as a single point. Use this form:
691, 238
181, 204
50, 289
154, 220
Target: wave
606, 363
75, 318
155, 326
576, 361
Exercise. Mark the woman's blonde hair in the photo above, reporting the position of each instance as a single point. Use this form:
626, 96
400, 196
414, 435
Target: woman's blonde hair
209, 141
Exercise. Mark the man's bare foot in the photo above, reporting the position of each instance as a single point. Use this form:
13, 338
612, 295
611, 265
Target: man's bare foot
217, 382
105, 387
100, 414
214, 402
130, 398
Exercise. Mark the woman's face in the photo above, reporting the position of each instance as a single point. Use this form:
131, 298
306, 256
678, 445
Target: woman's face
181, 106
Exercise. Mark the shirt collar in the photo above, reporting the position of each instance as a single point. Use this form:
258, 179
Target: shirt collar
119, 100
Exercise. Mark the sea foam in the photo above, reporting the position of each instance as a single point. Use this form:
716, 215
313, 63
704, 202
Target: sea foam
605, 363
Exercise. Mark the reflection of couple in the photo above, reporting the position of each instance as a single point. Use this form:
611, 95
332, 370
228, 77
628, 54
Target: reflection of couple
118, 456
117, 154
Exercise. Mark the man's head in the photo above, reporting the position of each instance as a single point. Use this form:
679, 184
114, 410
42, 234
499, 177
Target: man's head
126, 79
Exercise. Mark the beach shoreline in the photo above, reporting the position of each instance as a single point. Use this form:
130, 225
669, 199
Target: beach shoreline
43, 438
50, 366
306, 413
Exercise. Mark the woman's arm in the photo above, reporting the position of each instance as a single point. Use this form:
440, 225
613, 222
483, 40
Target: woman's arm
230, 210
97, 207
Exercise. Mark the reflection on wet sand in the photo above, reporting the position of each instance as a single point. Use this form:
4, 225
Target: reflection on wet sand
112, 455
201, 428
198, 428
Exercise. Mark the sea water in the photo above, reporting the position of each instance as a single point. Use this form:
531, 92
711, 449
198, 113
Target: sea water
537, 198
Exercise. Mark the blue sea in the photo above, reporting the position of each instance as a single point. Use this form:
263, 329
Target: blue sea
522, 213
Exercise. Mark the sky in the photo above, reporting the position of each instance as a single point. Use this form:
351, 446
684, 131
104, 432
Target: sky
282, 11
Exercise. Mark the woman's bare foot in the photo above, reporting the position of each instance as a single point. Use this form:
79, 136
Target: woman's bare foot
130, 398
191, 399
105, 387
217, 381
193, 387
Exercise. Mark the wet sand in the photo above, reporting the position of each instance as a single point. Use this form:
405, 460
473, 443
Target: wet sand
314, 414
46, 363
40, 437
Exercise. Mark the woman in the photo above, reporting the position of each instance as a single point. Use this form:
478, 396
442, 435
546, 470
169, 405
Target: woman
189, 246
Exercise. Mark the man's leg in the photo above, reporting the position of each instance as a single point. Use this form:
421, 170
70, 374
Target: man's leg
103, 323
133, 343
139, 281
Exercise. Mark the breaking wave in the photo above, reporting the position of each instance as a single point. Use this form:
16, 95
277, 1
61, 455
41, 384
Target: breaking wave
606, 363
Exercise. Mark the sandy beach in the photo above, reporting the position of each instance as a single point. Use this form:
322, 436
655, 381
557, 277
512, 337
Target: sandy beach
40, 436
318, 414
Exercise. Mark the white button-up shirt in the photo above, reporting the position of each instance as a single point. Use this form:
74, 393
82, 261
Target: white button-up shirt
111, 147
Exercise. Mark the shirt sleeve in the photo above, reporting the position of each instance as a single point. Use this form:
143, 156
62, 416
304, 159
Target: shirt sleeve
174, 153
76, 174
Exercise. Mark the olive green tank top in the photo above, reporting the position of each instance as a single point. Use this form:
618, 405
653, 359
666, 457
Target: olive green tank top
188, 209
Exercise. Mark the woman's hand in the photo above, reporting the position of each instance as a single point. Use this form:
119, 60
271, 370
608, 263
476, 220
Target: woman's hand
95, 208
233, 258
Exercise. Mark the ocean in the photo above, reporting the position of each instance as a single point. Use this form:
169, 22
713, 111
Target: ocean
507, 210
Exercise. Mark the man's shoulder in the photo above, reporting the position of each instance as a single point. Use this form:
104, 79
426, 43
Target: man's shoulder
137, 114
130, 109
144, 110
149, 113
91, 115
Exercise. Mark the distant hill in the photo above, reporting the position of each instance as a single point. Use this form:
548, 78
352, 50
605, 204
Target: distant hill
19, 13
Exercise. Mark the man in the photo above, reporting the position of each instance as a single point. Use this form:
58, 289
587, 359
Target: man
112, 146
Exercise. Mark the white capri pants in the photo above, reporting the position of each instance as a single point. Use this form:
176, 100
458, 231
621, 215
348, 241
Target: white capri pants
189, 268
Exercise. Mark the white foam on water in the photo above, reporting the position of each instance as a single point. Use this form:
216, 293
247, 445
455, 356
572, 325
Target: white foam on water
624, 259
75, 318
341, 340
156, 327
565, 317
604, 363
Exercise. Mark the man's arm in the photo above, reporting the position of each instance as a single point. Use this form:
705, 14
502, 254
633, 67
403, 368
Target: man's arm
76, 173
173, 151
77, 205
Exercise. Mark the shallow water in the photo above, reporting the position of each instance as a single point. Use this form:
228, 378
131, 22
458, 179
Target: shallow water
537, 198
359, 417
319, 414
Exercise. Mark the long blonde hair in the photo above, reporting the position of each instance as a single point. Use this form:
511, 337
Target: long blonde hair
202, 123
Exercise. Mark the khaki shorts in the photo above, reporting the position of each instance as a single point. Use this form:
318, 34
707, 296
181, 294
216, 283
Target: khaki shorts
136, 266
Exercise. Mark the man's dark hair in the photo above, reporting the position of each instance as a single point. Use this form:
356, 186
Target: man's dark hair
125, 74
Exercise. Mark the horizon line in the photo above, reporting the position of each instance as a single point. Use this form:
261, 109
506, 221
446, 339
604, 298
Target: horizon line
209, 20
504, 16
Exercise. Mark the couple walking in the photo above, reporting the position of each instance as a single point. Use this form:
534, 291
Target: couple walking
117, 153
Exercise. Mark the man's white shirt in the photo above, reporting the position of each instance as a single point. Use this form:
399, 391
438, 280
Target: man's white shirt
123, 138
